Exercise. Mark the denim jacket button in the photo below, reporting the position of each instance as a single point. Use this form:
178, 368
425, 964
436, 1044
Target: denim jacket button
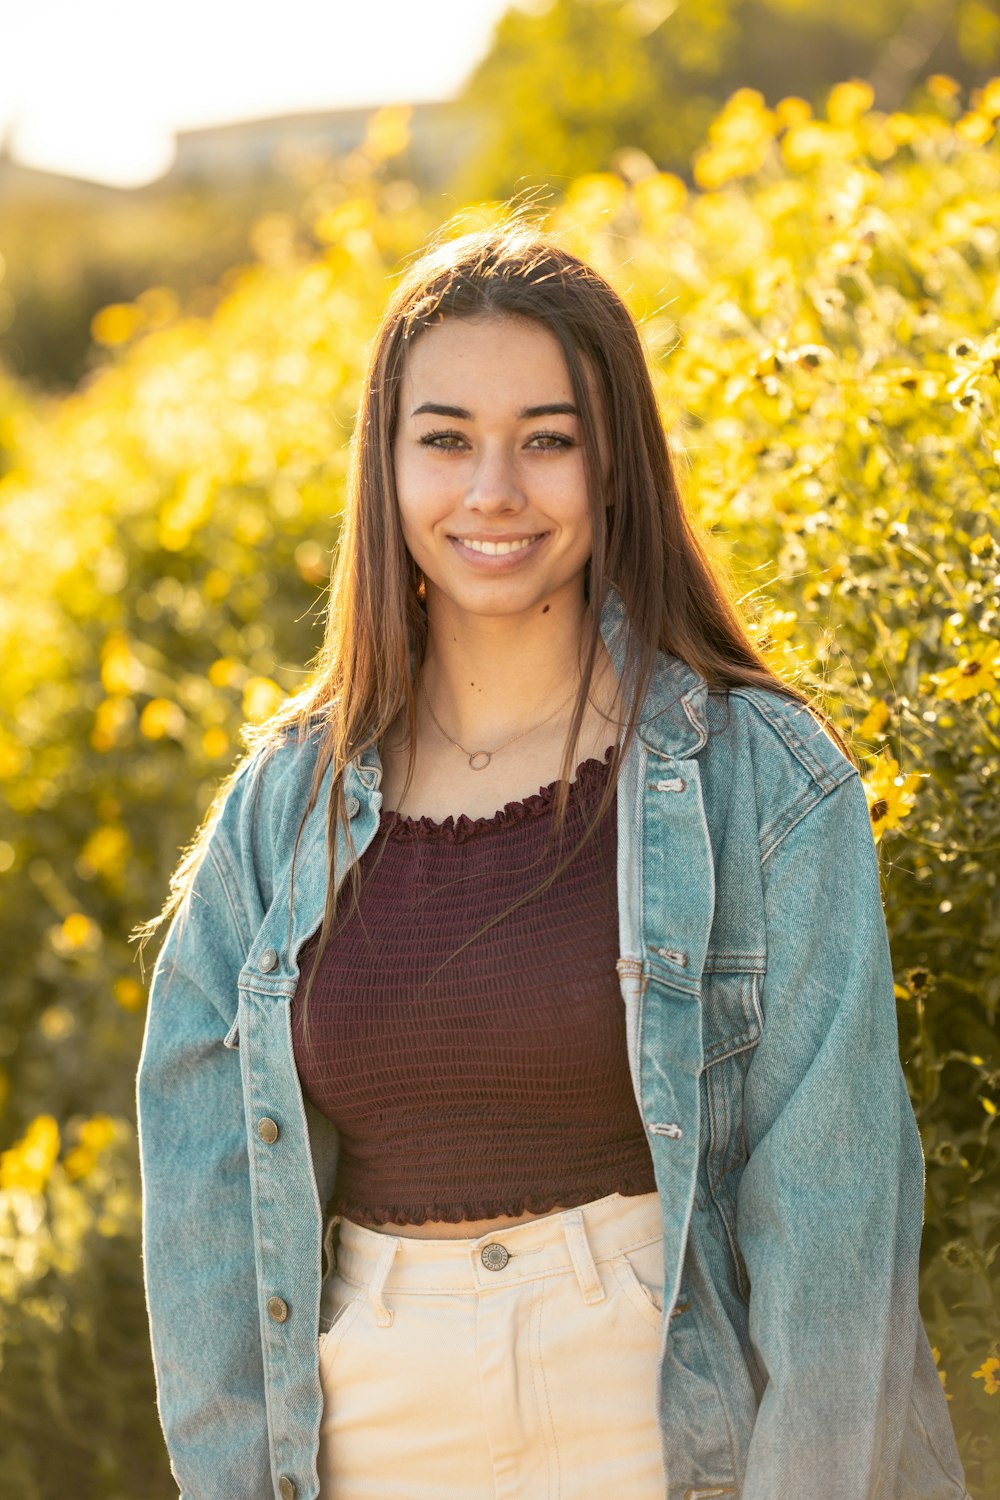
286, 1487
277, 1309
267, 1129
268, 960
353, 807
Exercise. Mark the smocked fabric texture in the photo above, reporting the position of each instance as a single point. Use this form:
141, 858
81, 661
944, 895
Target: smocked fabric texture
760, 1021
473, 1073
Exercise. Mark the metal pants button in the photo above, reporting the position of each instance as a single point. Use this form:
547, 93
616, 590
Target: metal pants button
494, 1257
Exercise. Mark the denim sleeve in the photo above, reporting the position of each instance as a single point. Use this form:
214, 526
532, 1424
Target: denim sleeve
830, 1206
197, 1231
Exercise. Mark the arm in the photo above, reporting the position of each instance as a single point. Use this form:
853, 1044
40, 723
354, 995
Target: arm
198, 1245
830, 1206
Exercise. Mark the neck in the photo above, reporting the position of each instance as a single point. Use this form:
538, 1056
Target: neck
487, 677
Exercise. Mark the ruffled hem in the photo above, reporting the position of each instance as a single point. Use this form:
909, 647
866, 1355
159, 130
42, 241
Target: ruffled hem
452, 1213
455, 829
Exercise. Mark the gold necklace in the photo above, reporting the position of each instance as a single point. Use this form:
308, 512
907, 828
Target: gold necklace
480, 759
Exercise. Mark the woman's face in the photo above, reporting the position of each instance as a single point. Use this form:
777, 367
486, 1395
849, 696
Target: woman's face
489, 468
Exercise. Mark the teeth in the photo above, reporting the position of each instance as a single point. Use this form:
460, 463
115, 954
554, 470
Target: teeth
497, 549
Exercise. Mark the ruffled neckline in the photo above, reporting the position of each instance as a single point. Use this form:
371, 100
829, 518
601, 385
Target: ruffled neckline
456, 828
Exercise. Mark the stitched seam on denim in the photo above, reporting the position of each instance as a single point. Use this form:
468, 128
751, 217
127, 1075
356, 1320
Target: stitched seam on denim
740, 1044
538, 1379
265, 1361
693, 1321
230, 884
739, 1264
789, 819
740, 1041
818, 803
785, 728
742, 959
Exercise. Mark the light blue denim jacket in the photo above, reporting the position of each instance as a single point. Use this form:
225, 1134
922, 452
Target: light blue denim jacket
758, 989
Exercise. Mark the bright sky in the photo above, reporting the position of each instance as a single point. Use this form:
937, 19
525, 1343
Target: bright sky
95, 88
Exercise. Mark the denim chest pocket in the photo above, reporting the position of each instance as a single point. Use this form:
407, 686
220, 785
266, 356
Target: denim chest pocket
732, 1022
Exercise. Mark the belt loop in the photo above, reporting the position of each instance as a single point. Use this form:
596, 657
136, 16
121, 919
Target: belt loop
383, 1314
580, 1254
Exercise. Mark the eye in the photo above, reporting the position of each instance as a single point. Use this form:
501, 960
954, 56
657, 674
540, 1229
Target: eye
434, 440
555, 439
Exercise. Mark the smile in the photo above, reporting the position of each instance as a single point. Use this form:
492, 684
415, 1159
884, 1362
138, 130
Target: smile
497, 549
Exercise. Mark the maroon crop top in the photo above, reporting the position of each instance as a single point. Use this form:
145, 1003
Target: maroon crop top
491, 1081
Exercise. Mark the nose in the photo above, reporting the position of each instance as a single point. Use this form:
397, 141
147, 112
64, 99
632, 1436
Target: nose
495, 487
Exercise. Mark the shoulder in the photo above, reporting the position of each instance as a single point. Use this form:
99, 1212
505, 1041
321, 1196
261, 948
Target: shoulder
268, 792
765, 743
779, 727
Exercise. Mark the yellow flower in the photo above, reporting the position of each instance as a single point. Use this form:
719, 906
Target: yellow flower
813, 141
848, 101
792, 111
942, 1374
161, 718
942, 86
186, 511
95, 1135
874, 720
739, 140
78, 933
129, 993
975, 128
113, 717
775, 628
29, 1162
902, 128
225, 672
595, 195
105, 851
117, 323
217, 584
975, 672
890, 796
261, 697
121, 670
215, 743
989, 1374
658, 197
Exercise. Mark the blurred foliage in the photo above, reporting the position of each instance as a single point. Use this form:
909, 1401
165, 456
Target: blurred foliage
76, 1384
822, 315
575, 85
71, 249
566, 88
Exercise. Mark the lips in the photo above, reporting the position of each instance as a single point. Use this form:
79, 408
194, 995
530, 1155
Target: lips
499, 546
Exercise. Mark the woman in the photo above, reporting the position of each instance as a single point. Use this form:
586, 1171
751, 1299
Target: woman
520, 1105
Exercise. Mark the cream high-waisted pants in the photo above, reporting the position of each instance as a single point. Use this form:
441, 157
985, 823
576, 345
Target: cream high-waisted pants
517, 1366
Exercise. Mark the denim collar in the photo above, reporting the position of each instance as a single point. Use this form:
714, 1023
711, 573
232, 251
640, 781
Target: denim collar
672, 721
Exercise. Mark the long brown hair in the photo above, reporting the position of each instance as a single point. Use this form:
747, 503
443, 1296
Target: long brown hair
677, 597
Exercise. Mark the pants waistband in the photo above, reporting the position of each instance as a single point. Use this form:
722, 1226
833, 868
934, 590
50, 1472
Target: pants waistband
573, 1238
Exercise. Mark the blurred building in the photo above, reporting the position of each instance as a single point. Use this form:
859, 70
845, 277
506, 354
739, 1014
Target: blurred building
251, 150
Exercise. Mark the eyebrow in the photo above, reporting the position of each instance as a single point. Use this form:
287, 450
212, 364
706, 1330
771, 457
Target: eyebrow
551, 409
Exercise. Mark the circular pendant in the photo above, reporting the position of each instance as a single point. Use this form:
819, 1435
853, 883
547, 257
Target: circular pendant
480, 760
